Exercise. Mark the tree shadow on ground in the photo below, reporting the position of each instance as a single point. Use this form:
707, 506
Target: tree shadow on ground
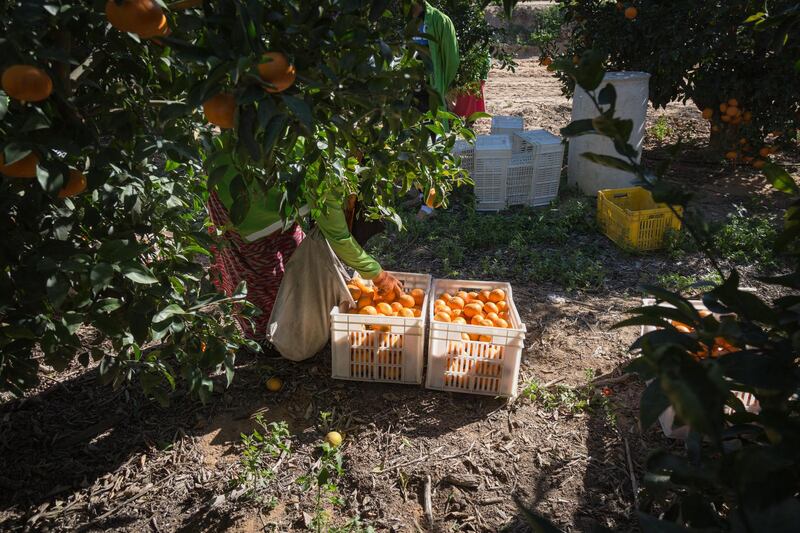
69, 436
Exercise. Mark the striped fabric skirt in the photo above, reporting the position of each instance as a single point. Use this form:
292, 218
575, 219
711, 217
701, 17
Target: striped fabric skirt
260, 263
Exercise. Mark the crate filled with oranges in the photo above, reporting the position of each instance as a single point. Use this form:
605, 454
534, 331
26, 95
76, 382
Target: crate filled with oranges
721, 348
476, 338
381, 338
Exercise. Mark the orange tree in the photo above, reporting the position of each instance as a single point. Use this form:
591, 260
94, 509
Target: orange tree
107, 158
711, 52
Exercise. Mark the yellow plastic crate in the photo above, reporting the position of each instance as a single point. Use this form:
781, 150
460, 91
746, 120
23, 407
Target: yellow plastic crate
633, 220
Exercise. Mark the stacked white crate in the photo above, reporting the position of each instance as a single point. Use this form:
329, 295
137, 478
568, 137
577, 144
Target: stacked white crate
545, 152
492, 157
504, 125
466, 152
519, 180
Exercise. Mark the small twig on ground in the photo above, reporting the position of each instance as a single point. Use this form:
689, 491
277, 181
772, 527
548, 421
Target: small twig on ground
424, 458
552, 382
612, 380
634, 484
428, 502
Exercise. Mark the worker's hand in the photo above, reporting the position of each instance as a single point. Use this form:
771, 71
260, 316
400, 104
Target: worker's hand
386, 283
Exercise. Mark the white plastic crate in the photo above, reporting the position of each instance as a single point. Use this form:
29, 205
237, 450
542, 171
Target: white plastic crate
546, 152
460, 364
380, 348
667, 419
506, 125
466, 152
492, 156
519, 181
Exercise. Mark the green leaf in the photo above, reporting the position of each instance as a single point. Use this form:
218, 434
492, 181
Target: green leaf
101, 276
107, 305
138, 274
609, 161
477, 115
3, 105
301, 110
241, 200
781, 179
168, 312
590, 72
57, 289
652, 404
578, 128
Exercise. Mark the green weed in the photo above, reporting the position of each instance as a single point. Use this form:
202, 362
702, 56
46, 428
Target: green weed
747, 239
661, 128
261, 449
683, 284
581, 399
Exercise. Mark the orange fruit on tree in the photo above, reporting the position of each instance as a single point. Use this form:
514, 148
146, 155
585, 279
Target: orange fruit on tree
22, 168
731, 156
759, 164
733, 111
26, 83
725, 118
723, 107
220, 110
142, 17
631, 13
76, 184
747, 116
545, 61
733, 102
765, 151
708, 113
277, 71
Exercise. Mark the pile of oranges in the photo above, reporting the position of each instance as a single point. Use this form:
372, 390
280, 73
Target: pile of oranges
721, 346
729, 117
484, 308
369, 302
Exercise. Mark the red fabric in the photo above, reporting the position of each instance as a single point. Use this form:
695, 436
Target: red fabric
468, 103
261, 264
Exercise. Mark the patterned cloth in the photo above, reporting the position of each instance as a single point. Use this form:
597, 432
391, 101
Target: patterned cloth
261, 264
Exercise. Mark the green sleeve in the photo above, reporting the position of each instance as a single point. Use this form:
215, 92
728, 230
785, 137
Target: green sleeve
444, 50
333, 226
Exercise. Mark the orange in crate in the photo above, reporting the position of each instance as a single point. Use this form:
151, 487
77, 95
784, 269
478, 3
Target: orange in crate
480, 351
381, 339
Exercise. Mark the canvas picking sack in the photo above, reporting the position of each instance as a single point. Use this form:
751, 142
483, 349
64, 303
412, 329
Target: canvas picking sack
313, 284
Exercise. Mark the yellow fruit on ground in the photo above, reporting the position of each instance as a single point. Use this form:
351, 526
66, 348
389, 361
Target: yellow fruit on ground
220, 110
442, 317
418, 295
23, 168
708, 113
26, 83
497, 295
277, 71
631, 13
142, 17
76, 184
274, 384
334, 438
368, 310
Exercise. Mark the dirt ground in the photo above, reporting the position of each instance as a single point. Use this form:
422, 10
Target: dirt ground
79, 456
